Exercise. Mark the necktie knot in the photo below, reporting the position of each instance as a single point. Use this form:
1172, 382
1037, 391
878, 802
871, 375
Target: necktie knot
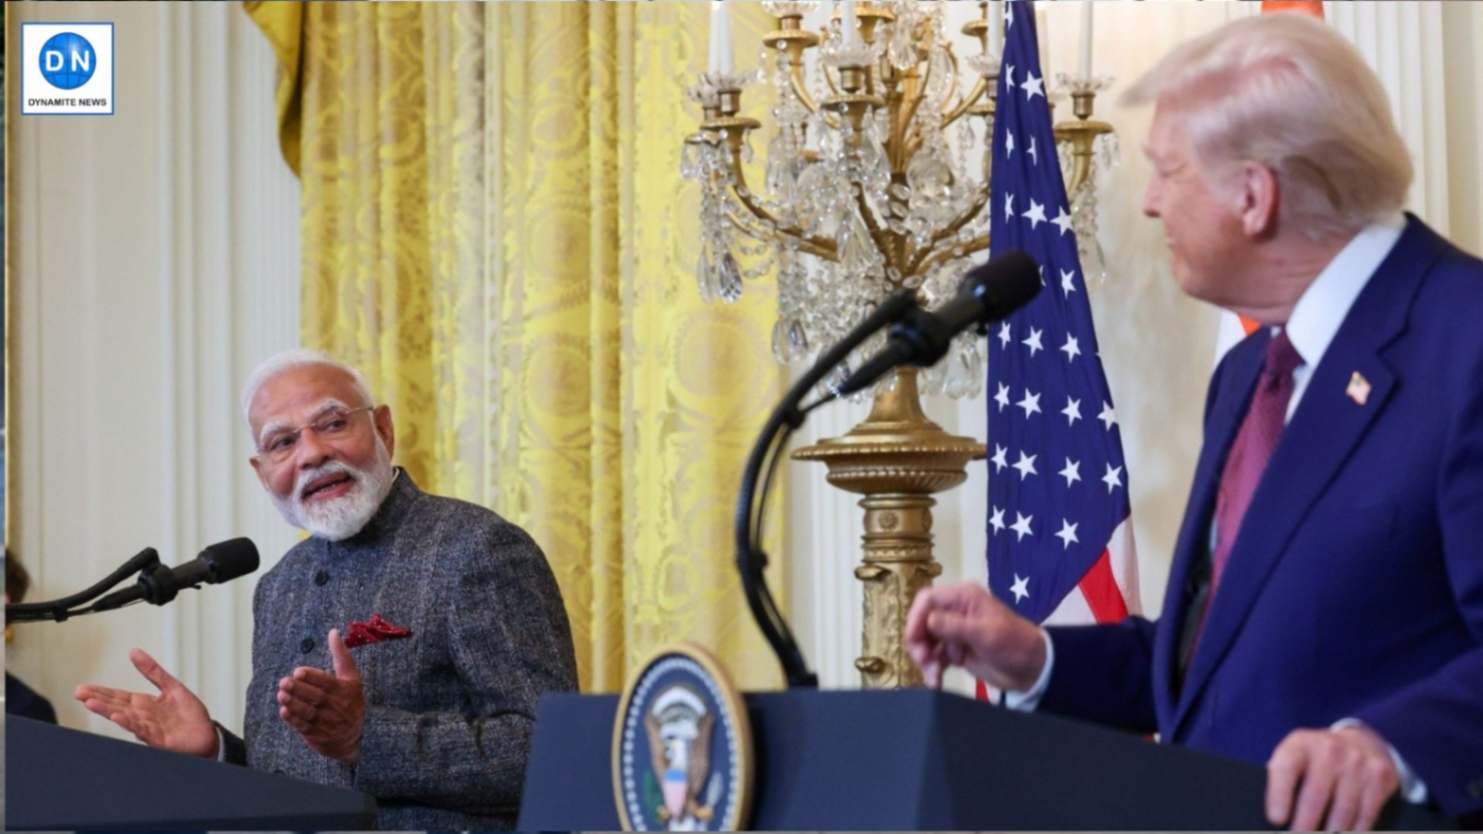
1282, 357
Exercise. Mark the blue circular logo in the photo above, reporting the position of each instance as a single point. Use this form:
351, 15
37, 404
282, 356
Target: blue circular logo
682, 747
67, 60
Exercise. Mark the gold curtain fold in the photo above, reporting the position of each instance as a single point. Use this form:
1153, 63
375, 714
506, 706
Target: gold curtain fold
495, 230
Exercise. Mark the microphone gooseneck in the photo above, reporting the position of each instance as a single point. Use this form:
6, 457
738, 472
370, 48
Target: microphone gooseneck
157, 584
220, 562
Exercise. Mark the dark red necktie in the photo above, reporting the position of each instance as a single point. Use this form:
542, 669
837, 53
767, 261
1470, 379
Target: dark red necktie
1253, 447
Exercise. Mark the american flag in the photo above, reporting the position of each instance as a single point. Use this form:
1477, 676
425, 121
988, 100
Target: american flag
1060, 544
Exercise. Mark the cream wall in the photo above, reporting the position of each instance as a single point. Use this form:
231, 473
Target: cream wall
154, 260
1157, 346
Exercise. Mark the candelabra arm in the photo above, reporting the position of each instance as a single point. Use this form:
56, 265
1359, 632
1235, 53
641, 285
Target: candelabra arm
909, 141
795, 77
952, 62
928, 253
1081, 135
968, 101
745, 223
1082, 132
911, 145
819, 246
936, 257
813, 246
1080, 171
911, 105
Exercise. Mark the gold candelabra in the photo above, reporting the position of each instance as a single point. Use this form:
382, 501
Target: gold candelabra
871, 187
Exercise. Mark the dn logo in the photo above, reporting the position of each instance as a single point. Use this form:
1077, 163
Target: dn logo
67, 61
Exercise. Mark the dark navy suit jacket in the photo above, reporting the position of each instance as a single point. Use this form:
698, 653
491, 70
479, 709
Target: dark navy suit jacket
1355, 585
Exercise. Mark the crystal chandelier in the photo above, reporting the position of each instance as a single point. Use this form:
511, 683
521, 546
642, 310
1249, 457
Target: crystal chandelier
876, 175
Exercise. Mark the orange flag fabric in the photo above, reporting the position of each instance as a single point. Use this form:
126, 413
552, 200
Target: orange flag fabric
1313, 7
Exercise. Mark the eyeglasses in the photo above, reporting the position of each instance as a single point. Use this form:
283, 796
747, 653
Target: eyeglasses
279, 446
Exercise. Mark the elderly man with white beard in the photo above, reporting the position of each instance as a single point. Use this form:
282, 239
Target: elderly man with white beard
400, 649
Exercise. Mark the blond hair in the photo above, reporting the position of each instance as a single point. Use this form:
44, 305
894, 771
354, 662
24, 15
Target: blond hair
1288, 92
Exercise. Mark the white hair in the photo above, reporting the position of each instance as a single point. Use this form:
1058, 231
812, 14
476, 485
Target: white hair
289, 360
1288, 92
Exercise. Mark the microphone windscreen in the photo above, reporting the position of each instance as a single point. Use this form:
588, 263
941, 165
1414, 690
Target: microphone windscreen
1004, 284
230, 559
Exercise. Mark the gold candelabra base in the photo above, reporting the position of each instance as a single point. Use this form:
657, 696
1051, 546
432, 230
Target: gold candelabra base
897, 459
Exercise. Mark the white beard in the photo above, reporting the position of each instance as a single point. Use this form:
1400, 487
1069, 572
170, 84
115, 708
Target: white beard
342, 517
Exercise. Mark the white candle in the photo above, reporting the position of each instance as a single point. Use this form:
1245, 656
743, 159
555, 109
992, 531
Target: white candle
720, 55
849, 25
1085, 68
995, 11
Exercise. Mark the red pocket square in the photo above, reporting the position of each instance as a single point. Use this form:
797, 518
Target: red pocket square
374, 631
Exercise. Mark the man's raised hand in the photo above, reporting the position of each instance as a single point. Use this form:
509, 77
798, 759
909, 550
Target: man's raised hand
174, 720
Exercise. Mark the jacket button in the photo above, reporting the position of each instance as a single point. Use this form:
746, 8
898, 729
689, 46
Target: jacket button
321, 578
307, 645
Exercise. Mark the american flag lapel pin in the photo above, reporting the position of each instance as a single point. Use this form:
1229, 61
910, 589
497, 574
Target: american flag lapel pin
1359, 388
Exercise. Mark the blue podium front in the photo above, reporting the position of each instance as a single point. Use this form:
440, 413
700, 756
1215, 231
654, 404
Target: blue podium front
917, 759
57, 778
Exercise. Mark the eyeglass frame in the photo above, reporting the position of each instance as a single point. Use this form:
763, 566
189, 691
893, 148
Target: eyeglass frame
336, 412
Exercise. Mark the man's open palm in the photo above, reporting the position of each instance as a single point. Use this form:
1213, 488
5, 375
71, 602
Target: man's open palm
173, 720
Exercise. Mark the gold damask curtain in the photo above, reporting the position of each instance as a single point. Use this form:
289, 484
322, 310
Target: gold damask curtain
495, 231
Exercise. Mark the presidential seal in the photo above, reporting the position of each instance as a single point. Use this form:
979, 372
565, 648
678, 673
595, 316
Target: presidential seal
682, 747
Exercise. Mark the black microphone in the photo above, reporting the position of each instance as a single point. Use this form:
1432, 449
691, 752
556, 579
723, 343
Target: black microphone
221, 562
989, 292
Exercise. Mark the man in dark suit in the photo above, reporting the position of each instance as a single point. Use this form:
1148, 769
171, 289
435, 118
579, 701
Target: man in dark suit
1324, 612
457, 621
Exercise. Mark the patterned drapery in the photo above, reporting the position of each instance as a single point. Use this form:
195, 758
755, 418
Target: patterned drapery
495, 231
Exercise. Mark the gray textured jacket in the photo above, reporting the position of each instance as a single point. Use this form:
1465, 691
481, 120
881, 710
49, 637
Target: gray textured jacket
451, 708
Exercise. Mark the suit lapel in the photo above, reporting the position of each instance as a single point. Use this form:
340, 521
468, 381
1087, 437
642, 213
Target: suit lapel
1315, 445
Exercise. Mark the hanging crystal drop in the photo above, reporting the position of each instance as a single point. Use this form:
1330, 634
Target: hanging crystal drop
902, 53
954, 378
689, 162
856, 247
780, 339
779, 179
797, 339
703, 276
728, 279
